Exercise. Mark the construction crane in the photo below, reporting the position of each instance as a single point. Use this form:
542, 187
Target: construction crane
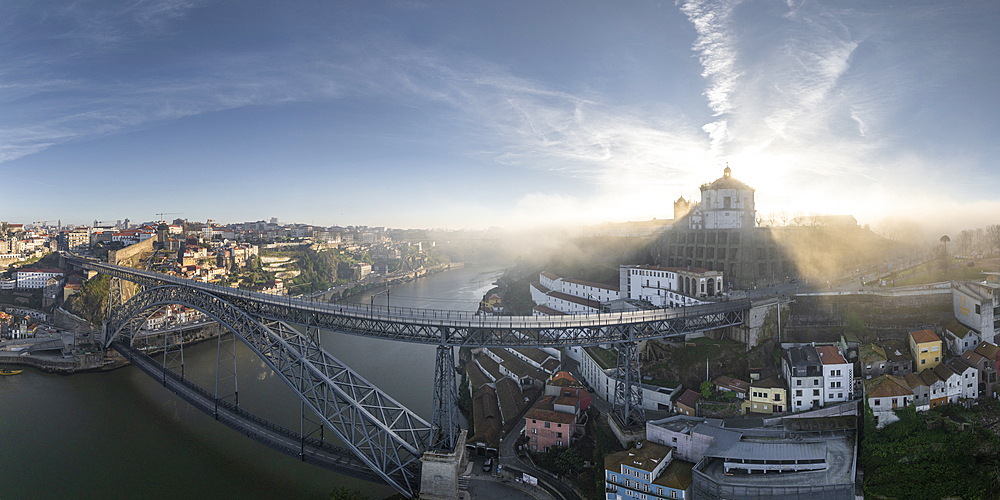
161, 214
40, 223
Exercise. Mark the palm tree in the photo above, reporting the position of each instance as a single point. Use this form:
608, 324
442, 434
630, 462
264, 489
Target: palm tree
945, 239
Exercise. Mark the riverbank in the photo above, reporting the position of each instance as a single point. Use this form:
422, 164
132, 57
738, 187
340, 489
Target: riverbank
346, 291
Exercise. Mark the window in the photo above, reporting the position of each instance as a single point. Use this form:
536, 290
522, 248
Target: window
840, 395
923, 361
548, 424
558, 425
534, 430
798, 382
777, 396
936, 359
815, 392
934, 349
816, 382
923, 350
798, 392
878, 403
559, 443
977, 309
558, 434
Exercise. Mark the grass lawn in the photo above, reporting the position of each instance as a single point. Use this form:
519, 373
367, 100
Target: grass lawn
957, 270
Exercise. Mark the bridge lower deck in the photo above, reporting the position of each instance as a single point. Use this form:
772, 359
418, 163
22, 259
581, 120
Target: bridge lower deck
309, 449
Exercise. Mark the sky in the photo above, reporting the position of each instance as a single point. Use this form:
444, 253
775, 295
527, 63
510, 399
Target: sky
422, 114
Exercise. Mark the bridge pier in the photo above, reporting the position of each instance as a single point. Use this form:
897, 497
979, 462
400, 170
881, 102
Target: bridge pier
444, 419
440, 469
627, 407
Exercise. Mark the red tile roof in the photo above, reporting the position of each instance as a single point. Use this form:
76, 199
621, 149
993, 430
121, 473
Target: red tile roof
923, 336
830, 355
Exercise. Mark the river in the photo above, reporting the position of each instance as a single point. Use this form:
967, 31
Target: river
120, 435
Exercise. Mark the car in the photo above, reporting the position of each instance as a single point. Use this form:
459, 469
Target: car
487, 465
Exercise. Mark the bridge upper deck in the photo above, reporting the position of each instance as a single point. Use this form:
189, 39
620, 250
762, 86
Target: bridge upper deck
454, 327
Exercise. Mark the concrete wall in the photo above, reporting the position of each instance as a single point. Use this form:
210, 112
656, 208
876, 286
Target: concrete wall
126, 255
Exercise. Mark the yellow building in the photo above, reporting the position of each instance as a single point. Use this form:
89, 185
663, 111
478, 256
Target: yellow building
766, 396
925, 347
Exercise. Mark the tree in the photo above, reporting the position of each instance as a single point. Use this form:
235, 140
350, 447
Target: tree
993, 237
706, 389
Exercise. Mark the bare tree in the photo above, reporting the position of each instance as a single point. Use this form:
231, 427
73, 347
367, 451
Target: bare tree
993, 237
783, 215
965, 241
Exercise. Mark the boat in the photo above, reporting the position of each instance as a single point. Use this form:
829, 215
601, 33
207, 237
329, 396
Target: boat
10, 372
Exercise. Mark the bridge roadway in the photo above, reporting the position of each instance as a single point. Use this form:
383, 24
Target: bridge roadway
455, 328
311, 450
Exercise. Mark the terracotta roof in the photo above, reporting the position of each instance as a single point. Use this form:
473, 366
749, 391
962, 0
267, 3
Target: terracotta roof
689, 398
944, 371
567, 401
732, 384
549, 275
771, 382
550, 416
476, 376
887, 386
987, 350
973, 357
830, 355
587, 302
871, 353
930, 377
540, 287
591, 284
958, 329
924, 336
913, 380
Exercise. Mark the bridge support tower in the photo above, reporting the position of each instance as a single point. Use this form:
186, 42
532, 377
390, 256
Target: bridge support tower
628, 393
444, 419
439, 471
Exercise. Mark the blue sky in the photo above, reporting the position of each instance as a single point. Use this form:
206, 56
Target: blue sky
477, 114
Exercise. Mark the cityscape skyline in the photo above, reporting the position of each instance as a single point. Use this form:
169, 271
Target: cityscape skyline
419, 114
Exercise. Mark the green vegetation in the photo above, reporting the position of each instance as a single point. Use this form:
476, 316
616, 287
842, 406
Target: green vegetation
344, 493
932, 272
92, 300
606, 358
942, 453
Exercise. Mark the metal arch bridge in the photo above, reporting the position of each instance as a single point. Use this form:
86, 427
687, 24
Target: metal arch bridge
387, 438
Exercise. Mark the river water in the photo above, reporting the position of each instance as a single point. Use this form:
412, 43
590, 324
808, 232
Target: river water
120, 435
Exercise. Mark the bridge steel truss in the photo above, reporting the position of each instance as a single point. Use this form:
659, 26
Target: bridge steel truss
386, 436
458, 328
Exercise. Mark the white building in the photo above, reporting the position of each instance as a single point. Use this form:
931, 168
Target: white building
885, 394
976, 306
803, 370
838, 375
968, 377
36, 278
554, 295
960, 338
669, 286
725, 204
598, 368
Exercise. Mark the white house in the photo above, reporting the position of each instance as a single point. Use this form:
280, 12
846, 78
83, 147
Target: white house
838, 375
886, 393
969, 377
960, 338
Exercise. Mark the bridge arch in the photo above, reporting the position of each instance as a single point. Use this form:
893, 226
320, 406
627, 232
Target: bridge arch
386, 436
